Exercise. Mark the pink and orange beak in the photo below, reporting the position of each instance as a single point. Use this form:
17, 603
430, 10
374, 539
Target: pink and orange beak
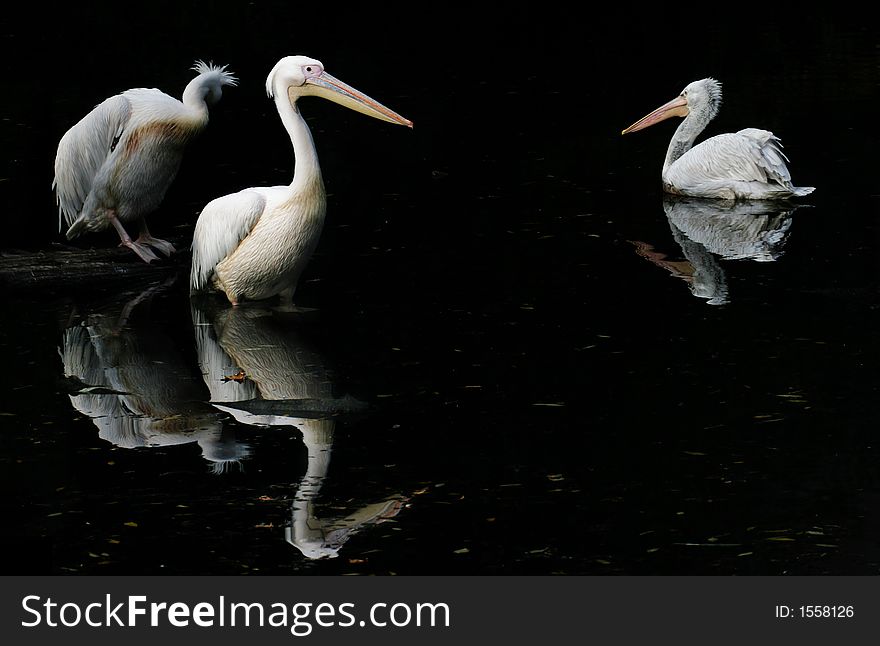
678, 107
331, 88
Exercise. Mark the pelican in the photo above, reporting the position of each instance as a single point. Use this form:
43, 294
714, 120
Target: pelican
748, 164
254, 244
116, 164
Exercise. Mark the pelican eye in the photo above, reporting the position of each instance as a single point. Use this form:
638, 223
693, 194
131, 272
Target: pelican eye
308, 69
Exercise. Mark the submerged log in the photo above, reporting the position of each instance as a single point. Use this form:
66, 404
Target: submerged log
69, 268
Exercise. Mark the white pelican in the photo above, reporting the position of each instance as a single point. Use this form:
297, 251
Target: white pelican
116, 164
255, 243
748, 164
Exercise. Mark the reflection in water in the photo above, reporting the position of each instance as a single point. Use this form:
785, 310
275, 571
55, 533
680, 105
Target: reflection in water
752, 229
262, 373
126, 376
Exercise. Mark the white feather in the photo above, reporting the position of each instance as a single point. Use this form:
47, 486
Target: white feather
119, 160
256, 243
82, 152
717, 163
215, 74
748, 164
221, 227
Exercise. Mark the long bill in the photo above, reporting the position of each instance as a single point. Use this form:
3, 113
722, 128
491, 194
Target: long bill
335, 90
678, 107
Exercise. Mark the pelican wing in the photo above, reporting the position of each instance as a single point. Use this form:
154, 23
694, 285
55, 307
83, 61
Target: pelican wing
750, 155
222, 225
767, 152
83, 150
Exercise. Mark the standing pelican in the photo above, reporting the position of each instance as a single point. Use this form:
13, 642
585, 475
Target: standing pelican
747, 165
255, 243
116, 164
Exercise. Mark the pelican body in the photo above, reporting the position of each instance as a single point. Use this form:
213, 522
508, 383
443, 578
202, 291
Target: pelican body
748, 164
254, 244
115, 165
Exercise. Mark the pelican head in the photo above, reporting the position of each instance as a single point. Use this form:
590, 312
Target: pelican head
208, 85
702, 97
303, 76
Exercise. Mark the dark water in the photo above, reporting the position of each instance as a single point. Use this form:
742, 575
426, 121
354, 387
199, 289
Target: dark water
522, 359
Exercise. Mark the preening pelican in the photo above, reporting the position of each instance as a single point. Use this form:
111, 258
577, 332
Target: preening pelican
116, 164
255, 243
748, 164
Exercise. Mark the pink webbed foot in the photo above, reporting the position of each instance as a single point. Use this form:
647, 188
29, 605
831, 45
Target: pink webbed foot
142, 251
163, 246
146, 239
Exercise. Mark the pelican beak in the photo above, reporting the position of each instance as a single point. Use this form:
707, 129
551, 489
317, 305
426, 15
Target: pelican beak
678, 107
335, 90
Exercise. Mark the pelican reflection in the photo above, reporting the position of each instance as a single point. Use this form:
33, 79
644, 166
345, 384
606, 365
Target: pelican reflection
707, 230
261, 371
125, 374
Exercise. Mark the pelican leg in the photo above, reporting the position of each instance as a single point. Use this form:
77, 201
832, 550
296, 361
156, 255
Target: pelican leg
146, 239
285, 303
143, 252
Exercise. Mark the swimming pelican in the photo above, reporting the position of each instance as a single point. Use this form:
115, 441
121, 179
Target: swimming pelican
116, 164
255, 243
748, 164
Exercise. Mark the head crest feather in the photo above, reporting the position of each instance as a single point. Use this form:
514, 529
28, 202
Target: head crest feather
217, 73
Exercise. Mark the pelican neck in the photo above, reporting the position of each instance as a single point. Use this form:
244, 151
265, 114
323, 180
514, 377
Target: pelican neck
306, 166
